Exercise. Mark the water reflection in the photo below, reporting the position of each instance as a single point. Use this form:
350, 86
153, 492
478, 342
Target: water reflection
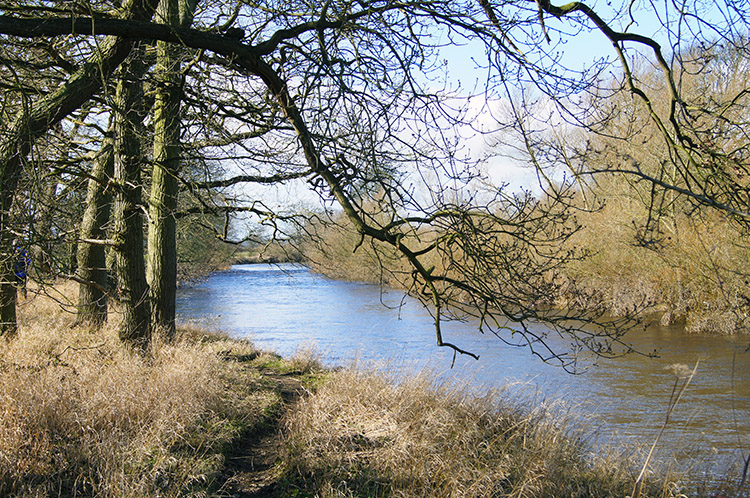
283, 307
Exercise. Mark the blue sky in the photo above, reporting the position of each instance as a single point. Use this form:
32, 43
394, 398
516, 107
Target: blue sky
466, 69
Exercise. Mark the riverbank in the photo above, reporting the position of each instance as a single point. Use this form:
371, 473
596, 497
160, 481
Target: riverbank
271, 253
213, 416
696, 277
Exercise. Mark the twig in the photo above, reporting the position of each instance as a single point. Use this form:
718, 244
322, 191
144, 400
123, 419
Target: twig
674, 398
83, 348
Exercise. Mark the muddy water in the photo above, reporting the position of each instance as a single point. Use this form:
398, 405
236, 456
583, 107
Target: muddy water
624, 400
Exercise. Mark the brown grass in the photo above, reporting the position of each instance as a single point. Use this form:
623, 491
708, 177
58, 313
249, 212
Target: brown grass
81, 415
362, 435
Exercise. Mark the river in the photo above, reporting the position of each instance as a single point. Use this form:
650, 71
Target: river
286, 308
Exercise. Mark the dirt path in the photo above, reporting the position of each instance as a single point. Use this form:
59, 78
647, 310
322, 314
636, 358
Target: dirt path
252, 471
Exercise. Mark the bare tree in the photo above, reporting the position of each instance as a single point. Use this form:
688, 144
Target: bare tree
360, 109
702, 40
162, 241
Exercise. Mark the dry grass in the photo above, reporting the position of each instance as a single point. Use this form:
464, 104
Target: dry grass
362, 435
81, 415
696, 272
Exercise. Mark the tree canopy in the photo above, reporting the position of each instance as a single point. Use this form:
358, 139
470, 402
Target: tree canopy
353, 98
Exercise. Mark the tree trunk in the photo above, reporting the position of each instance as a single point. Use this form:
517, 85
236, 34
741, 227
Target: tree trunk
135, 324
8, 327
162, 244
42, 245
92, 262
32, 122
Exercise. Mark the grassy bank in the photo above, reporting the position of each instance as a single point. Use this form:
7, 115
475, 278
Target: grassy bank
695, 273
83, 416
211, 416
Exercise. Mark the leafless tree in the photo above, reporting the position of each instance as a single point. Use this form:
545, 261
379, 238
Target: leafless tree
359, 108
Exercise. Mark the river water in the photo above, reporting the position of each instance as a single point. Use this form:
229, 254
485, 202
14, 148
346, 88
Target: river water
286, 308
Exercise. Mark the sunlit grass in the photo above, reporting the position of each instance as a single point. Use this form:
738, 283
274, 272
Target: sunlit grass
82, 415
363, 435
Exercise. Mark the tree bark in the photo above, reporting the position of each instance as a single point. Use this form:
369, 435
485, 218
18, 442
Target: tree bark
8, 324
92, 261
135, 324
162, 243
32, 122
42, 248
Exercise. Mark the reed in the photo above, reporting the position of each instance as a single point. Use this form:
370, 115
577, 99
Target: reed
683, 375
694, 271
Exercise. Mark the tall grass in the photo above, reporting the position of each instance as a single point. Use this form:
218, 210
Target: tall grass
363, 435
81, 415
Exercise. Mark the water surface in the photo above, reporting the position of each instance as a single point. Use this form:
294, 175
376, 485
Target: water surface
283, 308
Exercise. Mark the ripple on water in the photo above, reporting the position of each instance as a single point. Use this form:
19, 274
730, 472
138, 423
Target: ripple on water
281, 307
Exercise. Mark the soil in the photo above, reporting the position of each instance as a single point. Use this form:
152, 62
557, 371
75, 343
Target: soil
253, 470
